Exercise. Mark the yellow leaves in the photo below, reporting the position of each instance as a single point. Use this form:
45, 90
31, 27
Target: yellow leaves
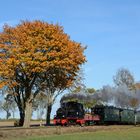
37, 46
12, 84
134, 102
8, 82
2, 84
137, 86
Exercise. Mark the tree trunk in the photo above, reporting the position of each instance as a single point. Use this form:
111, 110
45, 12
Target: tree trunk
13, 114
28, 114
49, 109
38, 116
21, 114
7, 115
21, 120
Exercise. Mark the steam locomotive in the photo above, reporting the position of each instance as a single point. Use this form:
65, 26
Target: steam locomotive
73, 113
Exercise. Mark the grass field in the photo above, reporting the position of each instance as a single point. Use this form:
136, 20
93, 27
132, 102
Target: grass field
117, 134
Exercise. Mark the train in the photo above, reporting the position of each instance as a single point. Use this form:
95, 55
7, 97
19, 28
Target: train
114, 115
73, 113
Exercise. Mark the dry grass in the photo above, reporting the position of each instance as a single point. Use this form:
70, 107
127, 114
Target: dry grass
16, 133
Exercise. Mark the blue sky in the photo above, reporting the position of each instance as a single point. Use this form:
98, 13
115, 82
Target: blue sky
110, 29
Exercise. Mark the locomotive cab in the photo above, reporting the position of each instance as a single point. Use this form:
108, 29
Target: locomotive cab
75, 113
74, 110
70, 113
60, 113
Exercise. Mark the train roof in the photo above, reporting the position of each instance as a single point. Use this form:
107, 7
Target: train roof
112, 107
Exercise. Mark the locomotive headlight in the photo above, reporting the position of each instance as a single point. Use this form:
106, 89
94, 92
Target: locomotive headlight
77, 113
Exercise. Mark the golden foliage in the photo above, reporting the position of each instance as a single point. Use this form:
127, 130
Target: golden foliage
34, 47
135, 86
134, 102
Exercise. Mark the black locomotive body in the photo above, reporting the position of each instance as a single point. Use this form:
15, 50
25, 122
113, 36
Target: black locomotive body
71, 113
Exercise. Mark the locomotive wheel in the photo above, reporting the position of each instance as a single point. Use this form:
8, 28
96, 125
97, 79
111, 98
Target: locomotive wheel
82, 125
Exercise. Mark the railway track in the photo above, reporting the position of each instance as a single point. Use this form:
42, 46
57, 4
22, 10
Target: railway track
22, 128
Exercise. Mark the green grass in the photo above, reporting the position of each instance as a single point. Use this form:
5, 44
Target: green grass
127, 134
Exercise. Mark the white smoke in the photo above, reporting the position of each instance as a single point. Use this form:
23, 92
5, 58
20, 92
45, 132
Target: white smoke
118, 96
111, 96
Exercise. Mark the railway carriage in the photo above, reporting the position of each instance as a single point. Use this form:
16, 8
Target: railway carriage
107, 114
113, 115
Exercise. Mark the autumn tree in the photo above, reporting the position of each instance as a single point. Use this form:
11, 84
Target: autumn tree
32, 54
135, 87
135, 101
90, 90
124, 77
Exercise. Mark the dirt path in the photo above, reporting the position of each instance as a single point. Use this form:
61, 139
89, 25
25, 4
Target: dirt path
5, 124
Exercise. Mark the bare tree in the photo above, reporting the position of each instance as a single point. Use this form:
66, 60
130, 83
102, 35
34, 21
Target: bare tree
78, 83
124, 77
5, 106
8, 105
